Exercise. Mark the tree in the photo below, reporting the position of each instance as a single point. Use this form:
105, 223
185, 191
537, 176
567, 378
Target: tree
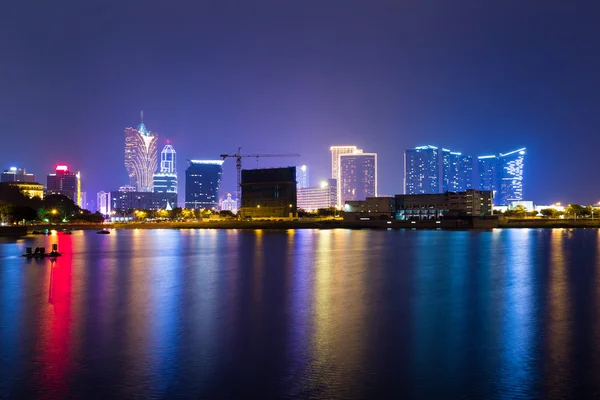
227, 214
550, 213
326, 212
532, 213
575, 210
519, 211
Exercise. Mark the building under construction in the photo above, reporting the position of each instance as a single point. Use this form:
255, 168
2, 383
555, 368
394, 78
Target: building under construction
268, 193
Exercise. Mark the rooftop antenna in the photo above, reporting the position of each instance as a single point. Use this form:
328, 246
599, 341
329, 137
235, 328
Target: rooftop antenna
142, 116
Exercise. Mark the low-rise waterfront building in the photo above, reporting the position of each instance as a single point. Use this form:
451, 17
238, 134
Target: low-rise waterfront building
228, 204
127, 201
30, 190
470, 203
314, 198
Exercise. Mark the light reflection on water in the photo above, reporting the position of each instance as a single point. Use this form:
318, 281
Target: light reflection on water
300, 314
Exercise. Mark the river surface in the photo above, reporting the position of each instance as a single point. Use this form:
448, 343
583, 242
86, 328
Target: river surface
331, 314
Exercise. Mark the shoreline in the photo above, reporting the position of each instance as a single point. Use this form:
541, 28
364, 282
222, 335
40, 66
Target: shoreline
325, 224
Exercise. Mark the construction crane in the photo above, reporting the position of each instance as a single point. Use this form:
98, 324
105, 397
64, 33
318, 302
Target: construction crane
238, 164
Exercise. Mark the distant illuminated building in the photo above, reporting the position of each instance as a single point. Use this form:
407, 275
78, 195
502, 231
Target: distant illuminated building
503, 174
228, 204
15, 174
422, 170
358, 174
336, 151
103, 203
511, 181
141, 158
168, 160
29, 189
127, 188
322, 196
488, 172
302, 176
128, 202
65, 183
202, 182
165, 181
457, 171
84, 203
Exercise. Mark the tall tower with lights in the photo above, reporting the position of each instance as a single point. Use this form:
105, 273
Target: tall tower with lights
165, 181
141, 158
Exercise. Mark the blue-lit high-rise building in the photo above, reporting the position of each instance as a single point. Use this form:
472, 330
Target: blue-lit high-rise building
165, 180
511, 176
503, 174
422, 170
457, 171
202, 182
488, 172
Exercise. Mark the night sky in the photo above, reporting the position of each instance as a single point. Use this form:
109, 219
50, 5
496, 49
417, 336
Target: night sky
481, 77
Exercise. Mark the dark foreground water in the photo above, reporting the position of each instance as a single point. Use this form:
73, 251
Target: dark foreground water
303, 314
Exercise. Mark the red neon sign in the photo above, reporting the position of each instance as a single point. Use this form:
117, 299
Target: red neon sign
63, 168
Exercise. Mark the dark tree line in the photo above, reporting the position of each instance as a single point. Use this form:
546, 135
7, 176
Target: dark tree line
15, 207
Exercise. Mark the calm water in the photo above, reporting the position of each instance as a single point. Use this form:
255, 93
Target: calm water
303, 314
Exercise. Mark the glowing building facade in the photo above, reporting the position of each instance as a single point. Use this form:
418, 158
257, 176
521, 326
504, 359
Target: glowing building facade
358, 174
65, 183
511, 182
488, 172
314, 198
503, 174
457, 171
422, 170
165, 181
336, 151
228, 204
302, 176
141, 159
202, 183
103, 203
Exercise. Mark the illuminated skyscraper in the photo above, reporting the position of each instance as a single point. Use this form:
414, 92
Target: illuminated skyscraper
65, 183
202, 182
511, 181
302, 176
103, 203
488, 172
503, 174
165, 181
141, 158
168, 160
358, 173
422, 170
336, 151
457, 171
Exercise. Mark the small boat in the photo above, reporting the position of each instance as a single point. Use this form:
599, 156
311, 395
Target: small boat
68, 232
103, 232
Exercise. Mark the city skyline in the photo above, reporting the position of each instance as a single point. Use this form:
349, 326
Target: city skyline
478, 88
